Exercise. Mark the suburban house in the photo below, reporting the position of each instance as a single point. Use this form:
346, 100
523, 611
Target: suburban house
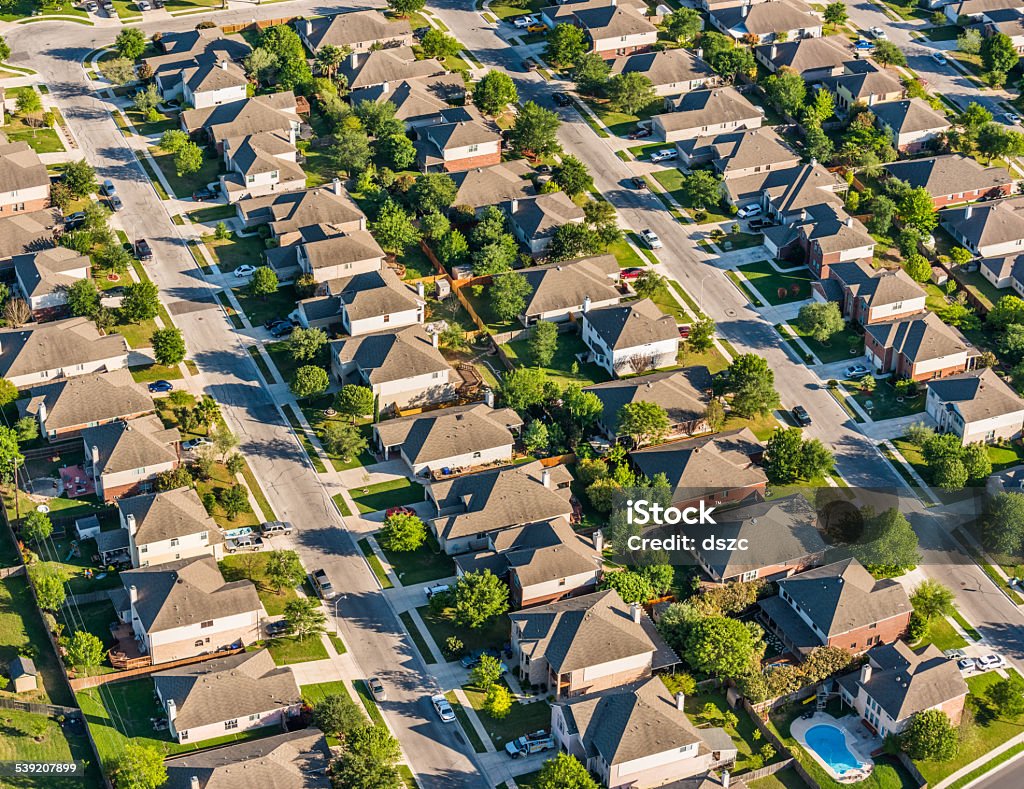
912, 124
330, 255
471, 506
613, 29
775, 20
827, 236
977, 10
898, 682
866, 295
811, 58
231, 694
461, 140
287, 213
66, 407
719, 468
211, 82
40, 352
24, 181
684, 394
987, 229
703, 113
43, 279
185, 608
919, 348
560, 291
182, 52
1004, 271
739, 154
786, 194
260, 164
124, 458
534, 220
356, 31
377, 301
671, 71
462, 436
480, 187
170, 525
291, 760
586, 644
27, 232
392, 65
541, 562
977, 406
837, 605
271, 112
863, 84
640, 736
404, 368
636, 337
782, 535
953, 178
418, 100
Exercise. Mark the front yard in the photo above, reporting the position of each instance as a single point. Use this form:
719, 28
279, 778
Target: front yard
885, 403
384, 495
319, 421
560, 369
522, 718
426, 563
184, 185
252, 567
220, 479
671, 180
838, 346
230, 253
493, 635
621, 123
259, 309
768, 282
289, 649
42, 139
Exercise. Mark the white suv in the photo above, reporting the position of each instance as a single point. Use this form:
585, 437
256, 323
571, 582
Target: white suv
651, 238
664, 155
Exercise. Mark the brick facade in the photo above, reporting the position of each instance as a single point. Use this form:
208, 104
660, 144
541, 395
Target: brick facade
611, 54
134, 489
942, 201
577, 686
862, 639
473, 162
6, 209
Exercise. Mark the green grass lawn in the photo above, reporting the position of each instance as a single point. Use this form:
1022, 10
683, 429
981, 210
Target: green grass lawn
375, 564
783, 779
252, 567
307, 444
982, 288
185, 185
760, 426
22, 632
220, 478
317, 692
711, 359
837, 347
319, 421
767, 281
560, 369
884, 402
743, 733
671, 181
482, 307
944, 33
153, 128
259, 309
383, 495
416, 263
1003, 457
426, 563
137, 335
32, 737
493, 634
521, 719
288, 650
229, 253
626, 256
621, 123
42, 139
147, 373
942, 635
736, 241
282, 359
214, 213
418, 638
25, 8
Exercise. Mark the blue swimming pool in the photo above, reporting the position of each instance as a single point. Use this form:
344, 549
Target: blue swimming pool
830, 744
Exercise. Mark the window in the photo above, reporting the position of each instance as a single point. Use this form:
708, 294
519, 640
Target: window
198, 643
561, 582
473, 148
255, 716
144, 549
476, 454
387, 319
203, 535
749, 576
183, 735
251, 179
174, 542
275, 175
207, 623
231, 724
140, 471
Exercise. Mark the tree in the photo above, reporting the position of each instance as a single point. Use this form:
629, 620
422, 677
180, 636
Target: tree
16, 312
433, 192
292, 66
632, 587
5, 50
702, 188
508, 294
521, 388
1004, 527
306, 344
591, 73
535, 131
80, 177
402, 532
393, 229
888, 54
479, 597
48, 584
1007, 695
630, 92
566, 45
207, 412
83, 297
141, 301
354, 401
139, 767
234, 500
960, 256
10, 456
821, 320
969, 41
998, 53
917, 210
36, 526
224, 441
283, 569
1006, 312
752, 383
583, 407
28, 102
684, 25
783, 456
336, 714
888, 546
168, 346
260, 63
487, 672
822, 107
573, 240
931, 599
835, 14
535, 436
188, 159
8, 392
173, 140
146, 101
171, 479
494, 92
543, 343
310, 380
119, 71
723, 647
263, 282
328, 59
403, 8
976, 462
498, 701
351, 150
883, 211
27, 428
994, 140
702, 334
130, 43
787, 90
930, 735
368, 760
343, 439
451, 248
396, 151
644, 422
84, 649
564, 772
573, 177
305, 617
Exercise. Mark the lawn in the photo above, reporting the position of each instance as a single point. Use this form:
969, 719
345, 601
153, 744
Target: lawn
260, 309
783, 779
214, 213
981, 287
761, 426
42, 139
319, 421
22, 632
494, 634
153, 128
521, 719
252, 567
32, 737
418, 639
944, 33
26, 8
304, 439
74, 566
220, 479
671, 181
467, 726
417, 264
289, 649
1003, 457
626, 256
230, 253
837, 347
884, 402
282, 359
375, 564
767, 281
711, 359
185, 185
560, 369
147, 373
732, 242
621, 123
137, 335
942, 635
742, 735
317, 692
426, 563
482, 307
384, 495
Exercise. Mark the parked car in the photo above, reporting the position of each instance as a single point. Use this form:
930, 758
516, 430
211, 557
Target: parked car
524, 22
107, 188
536, 28
1011, 118
650, 238
158, 3
322, 584
74, 221
760, 224
990, 662
749, 210
684, 331
278, 628
939, 58
801, 416
377, 689
205, 193
562, 99
443, 708
878, 33
631, 273
472, 660
272, 322
283, 329
856, 371
954, 654
143, 5
638, 182
529, 744
863, 45
109, 8
195, 443
966, 664
142, 250
274, 528
91, 6
530, 65
158, 387
641, 132
248, 542
664, 155
398, 511
115, 203
245, 271
436, 589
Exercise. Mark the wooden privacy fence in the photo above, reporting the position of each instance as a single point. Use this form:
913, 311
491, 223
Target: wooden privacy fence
104, 679
261, 24
40, 709
779, 746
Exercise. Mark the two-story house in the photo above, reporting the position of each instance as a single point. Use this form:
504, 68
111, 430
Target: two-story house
953, 178
42, 352
66, 407
185, 51
185, 608
259, 164
866, 295
30, 231
170, 525
977, 406
271, 112
481, 187
461, 139
560, 291
356, 31
331, 255
739, 154
613, 28
212, 82
811, 58
631, 338
24, 181
912, 124
703, 113
124, 458
377, 301
684, 394
919, 348
777, 20
534, 220
287, 213
389, 65
863, 84
671, 71
988, 229
44, 277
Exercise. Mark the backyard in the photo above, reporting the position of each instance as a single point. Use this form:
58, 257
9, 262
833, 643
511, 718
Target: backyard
252, 567
426, 563
560, 369
747, 743
22, 632
384, 495
522, 718
32, 737
768, 282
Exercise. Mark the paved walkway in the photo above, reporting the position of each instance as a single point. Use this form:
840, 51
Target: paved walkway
894, 428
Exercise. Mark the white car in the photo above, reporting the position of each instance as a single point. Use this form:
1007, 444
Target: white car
443, 708
143, 5
749, 210
651, 238
856, 371
245, 271
966, 664
990, 662
939, 58
878, 33
1011, 118
195, 443
524, 22
664, 155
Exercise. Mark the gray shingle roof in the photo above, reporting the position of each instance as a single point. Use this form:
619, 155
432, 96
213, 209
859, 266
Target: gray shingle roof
289, 212
448, 432
21, 167
682, 393
666, 67
920, 339
28, 232
611, 21
214, 75
880, 287
765, 18
910, 115
354, 27
791, 189
137, 443
542, 215
948, 175
97, 397
834, 230
631, 325
558, 286
985, 224
271, 112
388, 65
172, 513
977, 395
373, 294
865, 81
224, 688
700, 108
263, 152
44, 272
739, 150
499, 183
391, 356
334, 250
808, 54
416, 98
56, 344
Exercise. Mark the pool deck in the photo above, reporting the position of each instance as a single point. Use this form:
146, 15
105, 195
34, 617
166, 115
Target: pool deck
859, 741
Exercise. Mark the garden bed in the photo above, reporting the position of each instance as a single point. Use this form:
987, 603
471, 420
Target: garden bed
767, 281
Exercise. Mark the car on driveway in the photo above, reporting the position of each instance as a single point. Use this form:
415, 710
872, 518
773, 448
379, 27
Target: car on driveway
158, 387
91, 6
801, 416
443, 708
939, 58
109, 8
856, 371
878, 33
142, 250
245, 271
472, 660
990, 662
536, 28
638, 182
524, 22
650, 238
954, 654
760, 224
74, 221
664, 155
436, 589
749, 210
205, 193
323, 585
966, 664
530, 65
562, 99
863, 44
247, 542
631, 273
195, 443
278, 628
640, 133
143, 5
377, 689
158, 3
282, 329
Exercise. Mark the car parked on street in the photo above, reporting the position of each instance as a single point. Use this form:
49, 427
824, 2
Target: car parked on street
801, 416
562, 99
639, 182
651, 238
1011, 119
878, 33
939, 58
107, 188
443, 708
377, 689
322, 584
115, 203
142, 250
158, 387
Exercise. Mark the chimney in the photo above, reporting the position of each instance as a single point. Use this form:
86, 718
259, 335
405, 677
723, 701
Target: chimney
700, 53
545, 478
725, 779
680, 700
968, 211
489, 397
336, 186
95, 455
599, 541
849, 221
433, 338
421, 290
634, 612
133, 594
774, 52
224, 65
514, 207
586, 303
865, 673
385, 88
193, 782
814, 162
309, 27
353, 60
42, 414
132, 526
172, 710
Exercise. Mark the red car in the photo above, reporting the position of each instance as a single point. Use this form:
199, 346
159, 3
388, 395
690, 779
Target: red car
684, 331
631, 273
399, 511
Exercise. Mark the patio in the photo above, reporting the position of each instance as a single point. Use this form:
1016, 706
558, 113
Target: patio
77, 482
845, 753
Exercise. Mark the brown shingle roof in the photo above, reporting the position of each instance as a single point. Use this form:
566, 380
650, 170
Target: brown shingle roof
135, 444
57, 344
168, 514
